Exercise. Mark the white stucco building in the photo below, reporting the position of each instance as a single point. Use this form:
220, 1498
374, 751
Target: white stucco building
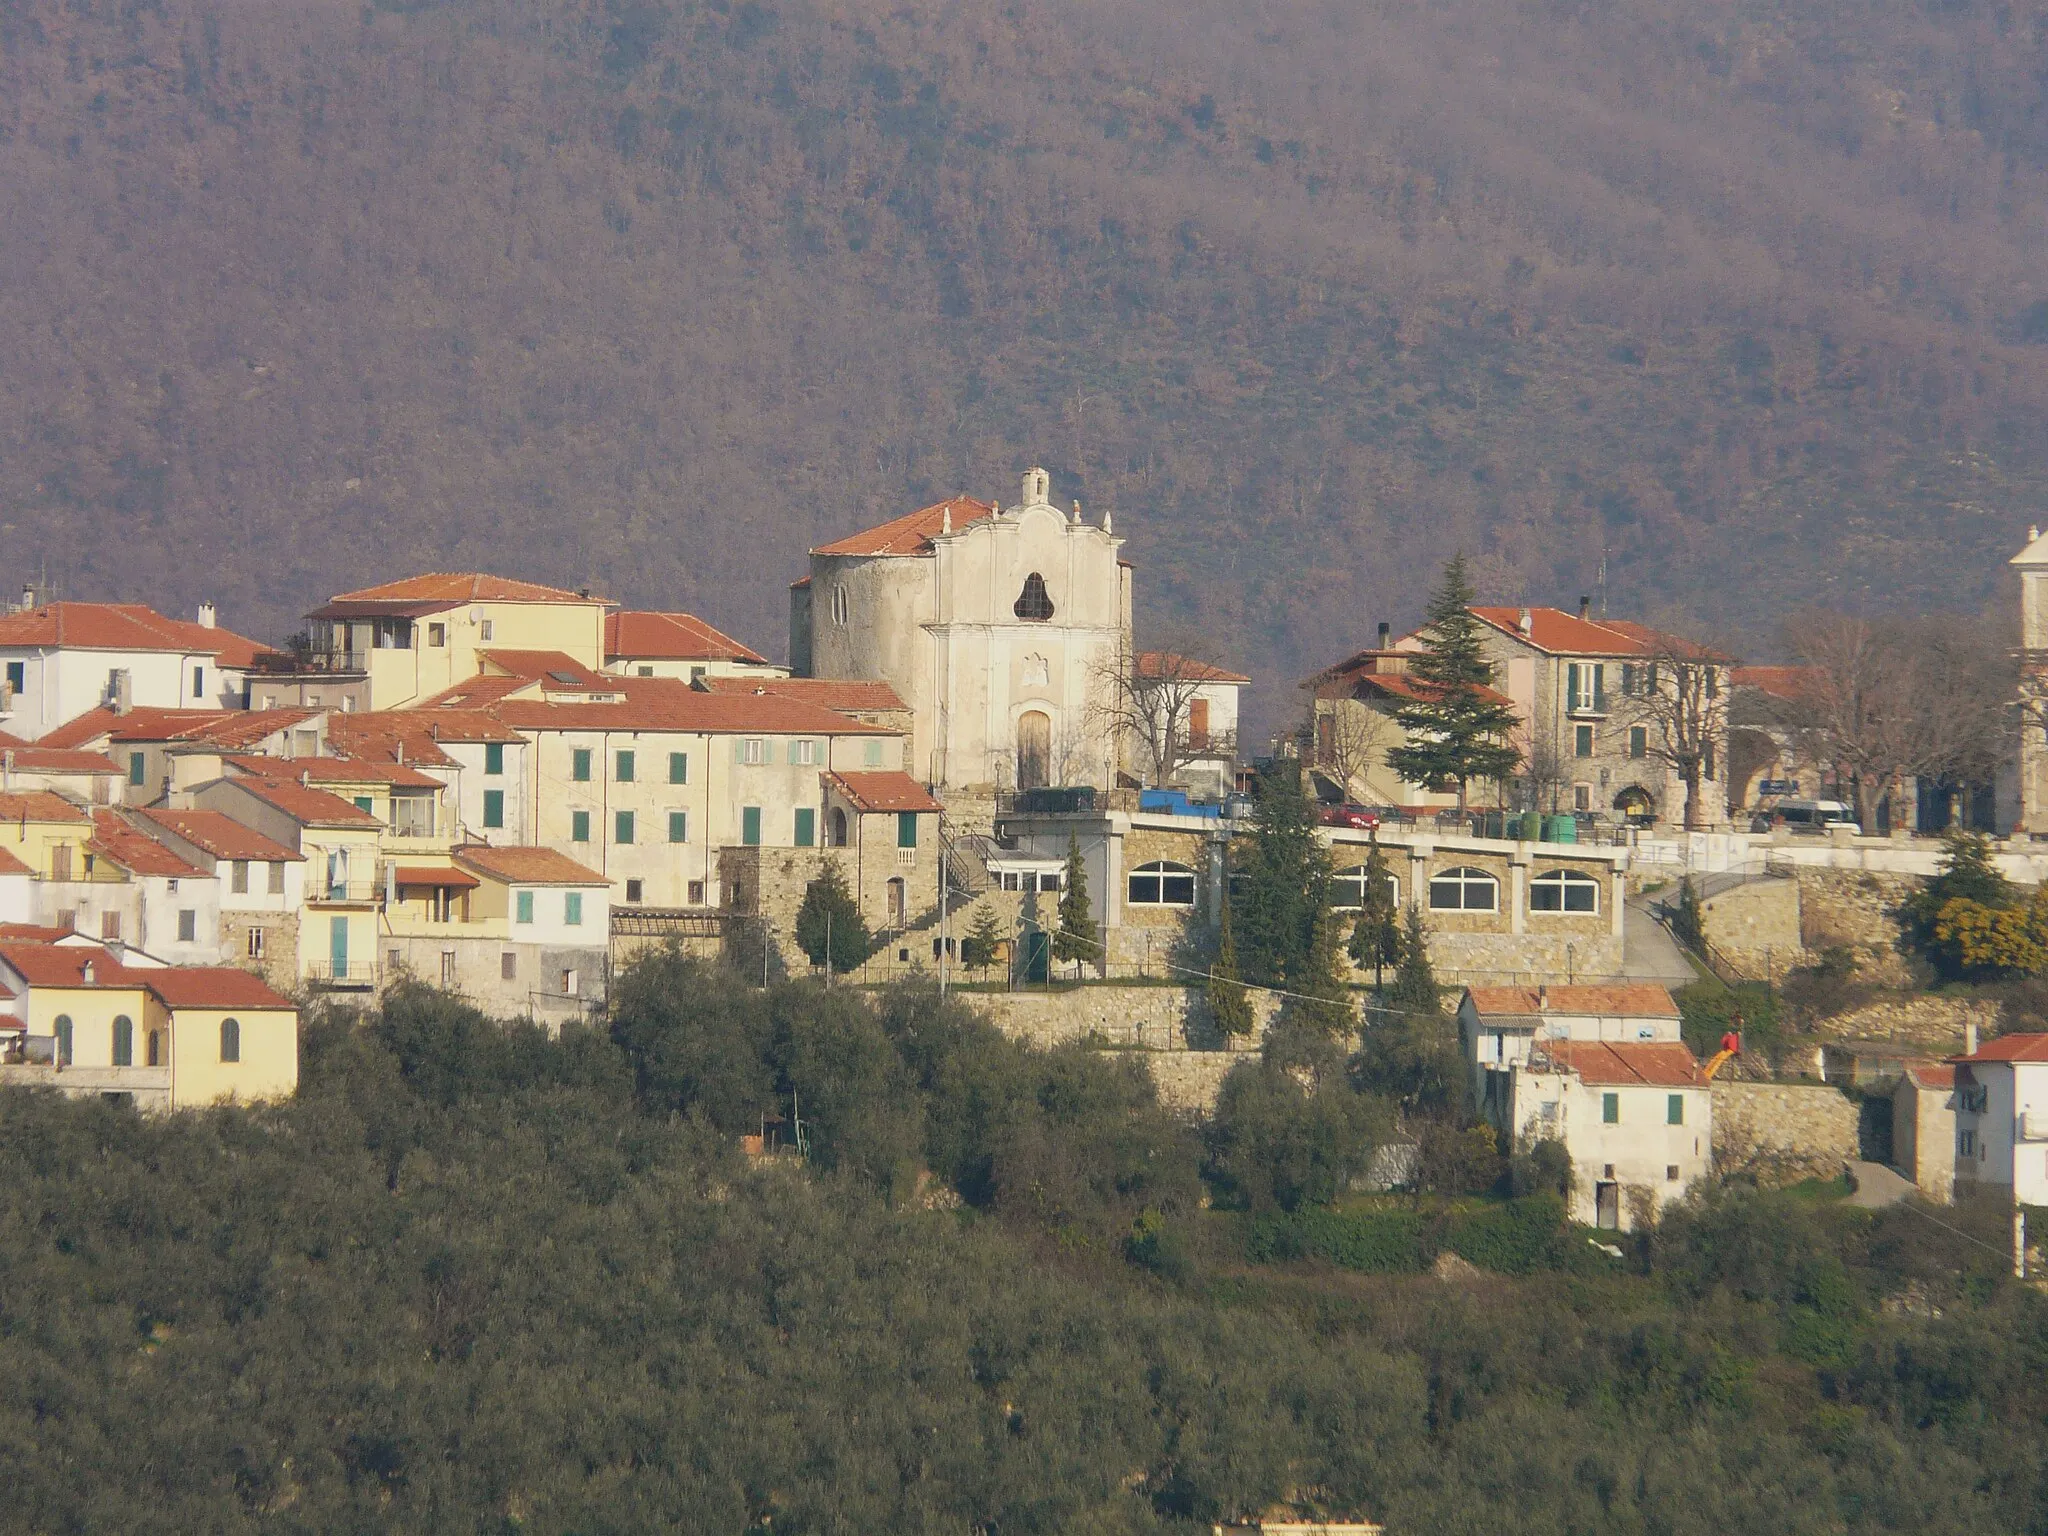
1005, 631
60, 660
2001, 1108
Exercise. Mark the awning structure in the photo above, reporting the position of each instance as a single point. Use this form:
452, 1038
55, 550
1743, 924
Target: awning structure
416, 875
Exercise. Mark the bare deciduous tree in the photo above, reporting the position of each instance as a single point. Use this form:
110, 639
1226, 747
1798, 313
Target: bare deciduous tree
1680, 697
1345, 740
1157, 706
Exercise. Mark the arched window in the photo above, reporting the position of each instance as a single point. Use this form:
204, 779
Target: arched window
899, 901
1564, 890
838, 827
155, 1048
1463, 890
1162, 884
63, 1029
840, 606
124, 1041
1347, 889
230, 1040
1034, 602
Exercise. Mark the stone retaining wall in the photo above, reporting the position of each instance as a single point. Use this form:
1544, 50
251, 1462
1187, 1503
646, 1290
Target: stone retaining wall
1858, 910
1780, 1133
1934, 1022
1148, 1018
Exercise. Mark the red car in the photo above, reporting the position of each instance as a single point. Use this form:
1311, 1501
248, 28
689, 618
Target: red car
1354, 816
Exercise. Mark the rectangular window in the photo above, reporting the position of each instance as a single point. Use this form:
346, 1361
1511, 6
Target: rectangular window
199, 682
806, 826
1610, 1109
1582, 797
643, 671
579, 765
753, 749
188, 926
523, 906
696, 897
803, 753
1572, 696
579, 826
485, 629
750, 825
906, 829
255, 943
494, 808
679, 826
871, 753
622, 767
238, 877
277, 877
494, 758
1628, 679
17, 675
679, 767
568, 983
622, 826
508, 966
138, 768
1582, 740
572, 908
110, 926
633, 891
1638, 742
365, 804
1674, 1109
437, 634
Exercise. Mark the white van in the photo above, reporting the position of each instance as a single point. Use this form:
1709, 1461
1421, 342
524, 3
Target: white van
1813, 815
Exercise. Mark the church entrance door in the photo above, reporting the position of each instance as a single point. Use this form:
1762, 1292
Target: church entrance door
1034, 750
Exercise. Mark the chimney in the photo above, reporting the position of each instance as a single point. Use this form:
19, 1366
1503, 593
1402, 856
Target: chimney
1585, 608
1970, 1038
119, 695
1525, 623
1386, 636
1542, 998
401, 753
28, 596
88, 973
207, 616
7, 770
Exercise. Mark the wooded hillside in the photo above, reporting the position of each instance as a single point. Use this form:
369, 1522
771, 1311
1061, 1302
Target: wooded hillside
652, 295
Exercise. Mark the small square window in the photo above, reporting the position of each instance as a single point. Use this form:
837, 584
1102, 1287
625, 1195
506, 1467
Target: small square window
1671, 1172
696, 893
643, 671
1610, 1109
437, 634
804, 752
753, 750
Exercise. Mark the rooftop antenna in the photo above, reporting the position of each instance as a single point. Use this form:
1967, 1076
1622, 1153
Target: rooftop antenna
1603, 578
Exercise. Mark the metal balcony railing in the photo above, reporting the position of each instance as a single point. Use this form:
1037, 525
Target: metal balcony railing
352, 973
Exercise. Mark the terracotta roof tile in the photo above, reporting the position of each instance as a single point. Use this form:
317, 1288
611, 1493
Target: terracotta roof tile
528, 866
227, 729
636, 634
10, 865
476, 693
2008, 1048
1927, 1074
1651, 1063
389, 736
308, 806
848, 695
122, 627
455, 587
39, 759
213, 986
336, 770
669, 704
911, 534
1634, 1000
220, 835
551, 669
136, 852
1169, 665
886, 791
63, 965
39, 805
1566, 634
422, 874
1789, 684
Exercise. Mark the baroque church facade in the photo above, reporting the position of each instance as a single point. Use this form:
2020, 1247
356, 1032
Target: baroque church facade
1005, 631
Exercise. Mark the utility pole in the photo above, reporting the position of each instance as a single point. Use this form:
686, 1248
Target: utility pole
2019, 1238
944, 957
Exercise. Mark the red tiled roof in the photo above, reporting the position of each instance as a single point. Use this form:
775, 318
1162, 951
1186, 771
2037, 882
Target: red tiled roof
884, 791
336, 770
636, 634
122, 627
2008, 1048
1787, 683
136, 852
389, 736
63, 965
1926, 1074
528, 866
551, 669
33, 933
38, 805
911, 534
1633, 1000
1566, 634
457, 587
1651, 1063
669, 704
476, 693
848, 695
445, 723
60, 760
1171, 666
420, 874
308, 806
213, 986
221, 835
227, 729
10, 865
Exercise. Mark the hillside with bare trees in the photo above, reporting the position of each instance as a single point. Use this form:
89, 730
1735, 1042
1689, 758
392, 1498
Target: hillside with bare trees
1746, 300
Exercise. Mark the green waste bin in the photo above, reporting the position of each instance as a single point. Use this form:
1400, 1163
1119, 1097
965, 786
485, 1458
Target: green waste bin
1531, 830
1562, 829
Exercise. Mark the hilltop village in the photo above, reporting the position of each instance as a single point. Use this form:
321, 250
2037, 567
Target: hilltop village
507, 790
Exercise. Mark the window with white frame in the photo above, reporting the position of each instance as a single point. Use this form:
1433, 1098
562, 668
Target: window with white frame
1564, 890
840, 607
1347, 889
753, 749
1463, 889
1162, 884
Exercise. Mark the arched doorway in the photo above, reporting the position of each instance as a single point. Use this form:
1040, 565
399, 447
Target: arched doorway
899, 904
1034, 749
838, 827
1635, 804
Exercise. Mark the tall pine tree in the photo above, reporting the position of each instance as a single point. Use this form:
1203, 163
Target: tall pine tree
1075, 940
1229, 1004
1376, 936
1284, 880
1458, 729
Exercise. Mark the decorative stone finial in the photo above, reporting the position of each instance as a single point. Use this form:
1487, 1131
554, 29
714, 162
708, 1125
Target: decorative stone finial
946, 523
1105, 522
2033, 532
1077, 511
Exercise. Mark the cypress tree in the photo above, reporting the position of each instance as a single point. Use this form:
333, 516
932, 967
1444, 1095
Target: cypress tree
1285, 881
1376, 936
1415, 991
1321, 976
1457, 730
1229, 1003
1075, 939
829, 927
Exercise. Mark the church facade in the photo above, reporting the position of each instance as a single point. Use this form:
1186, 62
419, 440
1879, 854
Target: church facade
1004, 629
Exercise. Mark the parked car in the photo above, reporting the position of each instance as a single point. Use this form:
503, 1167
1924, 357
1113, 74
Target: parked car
1361, 818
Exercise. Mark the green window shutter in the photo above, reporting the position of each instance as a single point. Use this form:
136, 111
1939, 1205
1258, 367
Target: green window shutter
494, 758
872, 754
1674, 1110
579, 765
622, 826
579, 826
679, 767
494, 808
365, 803
750, 825
572, 909
806, 826
137, 767
525, 906
1584, 742
1638, 742
679, 826
1610, 1109
622, 767
906, 829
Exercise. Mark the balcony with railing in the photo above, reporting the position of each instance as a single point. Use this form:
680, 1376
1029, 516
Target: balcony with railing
343, 891
348, 975
310, 663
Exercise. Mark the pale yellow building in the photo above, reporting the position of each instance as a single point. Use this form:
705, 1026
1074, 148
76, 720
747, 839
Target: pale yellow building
678, 645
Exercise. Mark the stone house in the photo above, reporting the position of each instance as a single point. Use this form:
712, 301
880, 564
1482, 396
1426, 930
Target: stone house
1924, 1127
259, 885
1006, 630
1352, 704
1602, 1070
